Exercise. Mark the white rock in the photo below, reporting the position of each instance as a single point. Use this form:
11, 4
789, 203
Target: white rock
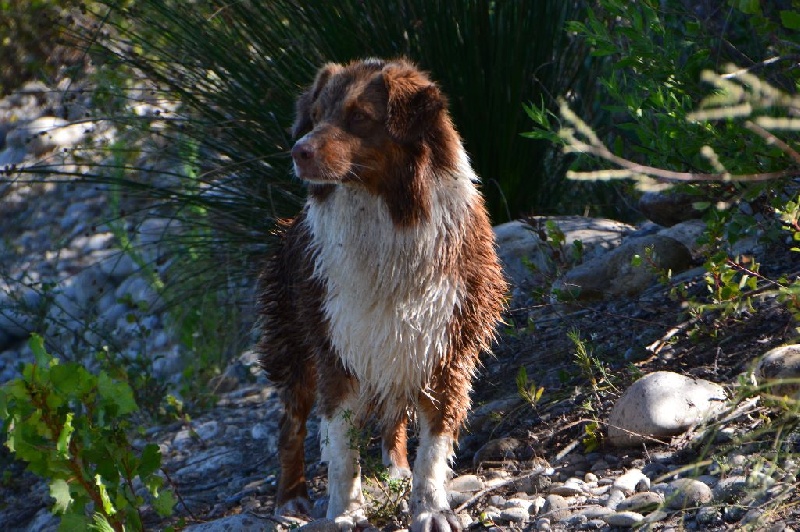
465, 484
687, 492
777, 368
11, 156
624, 519
627, 482
572, 486
662, 404
527, 259
641, 502
615, 274
514, 514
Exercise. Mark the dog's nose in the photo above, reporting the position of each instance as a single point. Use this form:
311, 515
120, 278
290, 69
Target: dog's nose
301, 151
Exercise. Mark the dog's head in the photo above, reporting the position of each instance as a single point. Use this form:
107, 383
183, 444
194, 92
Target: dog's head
382, 125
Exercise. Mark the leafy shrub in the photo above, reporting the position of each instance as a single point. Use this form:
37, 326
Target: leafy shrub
733, 149
72, 427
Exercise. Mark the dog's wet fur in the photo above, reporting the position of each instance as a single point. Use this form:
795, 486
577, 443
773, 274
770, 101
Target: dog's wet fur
385, 289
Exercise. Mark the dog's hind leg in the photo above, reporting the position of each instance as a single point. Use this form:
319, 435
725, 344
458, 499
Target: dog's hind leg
394, 441
298, 398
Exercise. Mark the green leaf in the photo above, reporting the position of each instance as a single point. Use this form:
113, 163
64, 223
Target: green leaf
151, 460
59, 490
62, 445
750, 7
69, 379
118, 393
164, 503
71, 522
790, 19
36, 343
101, 488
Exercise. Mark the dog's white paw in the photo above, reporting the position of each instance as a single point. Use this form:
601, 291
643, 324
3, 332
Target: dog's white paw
352, 521
399, 472
299, 506
436, 521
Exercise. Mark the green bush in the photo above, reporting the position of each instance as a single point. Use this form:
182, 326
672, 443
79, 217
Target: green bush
723, 134
72, 427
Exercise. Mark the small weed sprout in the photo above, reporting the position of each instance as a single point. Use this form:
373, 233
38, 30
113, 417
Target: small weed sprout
528, 390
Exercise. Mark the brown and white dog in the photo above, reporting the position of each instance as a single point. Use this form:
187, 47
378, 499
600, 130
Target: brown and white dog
385, 289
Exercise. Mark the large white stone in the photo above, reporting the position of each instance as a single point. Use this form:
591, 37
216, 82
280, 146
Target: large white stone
661, 405
778, 371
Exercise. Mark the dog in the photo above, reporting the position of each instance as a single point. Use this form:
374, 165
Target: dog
384, 290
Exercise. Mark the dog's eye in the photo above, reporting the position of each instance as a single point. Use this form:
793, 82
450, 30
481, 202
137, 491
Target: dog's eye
316, 114
358, 117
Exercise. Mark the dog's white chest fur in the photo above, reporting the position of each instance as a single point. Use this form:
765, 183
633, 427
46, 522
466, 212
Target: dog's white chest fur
390, 295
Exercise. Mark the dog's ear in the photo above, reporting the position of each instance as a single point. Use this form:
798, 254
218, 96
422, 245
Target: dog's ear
415, 103
302, 121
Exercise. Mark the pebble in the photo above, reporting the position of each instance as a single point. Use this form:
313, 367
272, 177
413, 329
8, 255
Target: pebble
573, 486
643, 502
465, 483
515, 515
556, 508
687, 493
624, 519
629, 481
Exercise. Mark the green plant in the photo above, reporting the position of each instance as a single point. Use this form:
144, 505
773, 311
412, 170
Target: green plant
72, 427
731, 153
528, 390
591, 368
384, 506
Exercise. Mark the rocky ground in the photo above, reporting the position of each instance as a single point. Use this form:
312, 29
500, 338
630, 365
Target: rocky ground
525, 461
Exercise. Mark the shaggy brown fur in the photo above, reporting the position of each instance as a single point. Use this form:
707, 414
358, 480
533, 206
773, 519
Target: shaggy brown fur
389, 303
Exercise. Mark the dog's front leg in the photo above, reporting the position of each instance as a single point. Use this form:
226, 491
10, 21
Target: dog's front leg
430, 510
345, 499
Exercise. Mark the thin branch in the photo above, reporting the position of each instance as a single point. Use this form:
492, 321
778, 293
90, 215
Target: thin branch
629, 169
772, 139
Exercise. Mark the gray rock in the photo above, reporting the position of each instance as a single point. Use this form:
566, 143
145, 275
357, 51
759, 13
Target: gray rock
624, 519
687, 234
615, 275
239, 523
596, 512
555, 508
11, 156
644, 502
514, 514
320, 525
497, 450
707, 515
779, 370
117, 264
528, 260
662, 404
465, 484
40, 135
668, 208
19, 307
687, 493
730, 489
